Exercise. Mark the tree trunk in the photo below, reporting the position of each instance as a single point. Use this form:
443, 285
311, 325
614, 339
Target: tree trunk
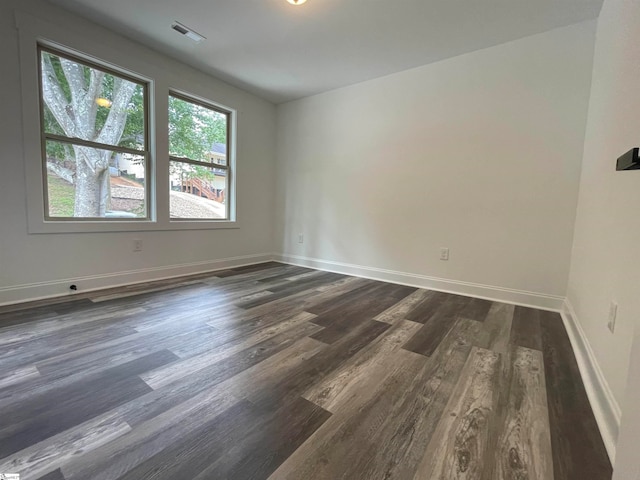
92, 182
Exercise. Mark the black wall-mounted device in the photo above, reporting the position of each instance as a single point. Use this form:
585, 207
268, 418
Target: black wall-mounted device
629, 161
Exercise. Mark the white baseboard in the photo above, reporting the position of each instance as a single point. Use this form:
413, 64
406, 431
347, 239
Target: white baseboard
489, 292
60, 287
603, 403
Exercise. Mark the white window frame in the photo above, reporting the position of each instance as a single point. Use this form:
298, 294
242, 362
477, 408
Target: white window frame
34, 31
229, 191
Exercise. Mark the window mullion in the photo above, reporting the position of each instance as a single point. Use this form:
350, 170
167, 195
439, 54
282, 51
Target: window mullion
196, 162
91, 144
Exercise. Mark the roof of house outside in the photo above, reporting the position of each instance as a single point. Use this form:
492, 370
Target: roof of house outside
219, 148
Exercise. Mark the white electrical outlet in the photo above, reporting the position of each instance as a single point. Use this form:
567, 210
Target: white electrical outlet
137, 245
300, 238
444, 253
613, 312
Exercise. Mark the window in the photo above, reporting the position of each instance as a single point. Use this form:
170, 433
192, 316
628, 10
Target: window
199, 167
94, 140
97, 125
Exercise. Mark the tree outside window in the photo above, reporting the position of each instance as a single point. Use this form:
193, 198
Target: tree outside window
91, 118
96, 146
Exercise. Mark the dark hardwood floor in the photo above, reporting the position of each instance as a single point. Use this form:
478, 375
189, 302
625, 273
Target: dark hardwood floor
281, 372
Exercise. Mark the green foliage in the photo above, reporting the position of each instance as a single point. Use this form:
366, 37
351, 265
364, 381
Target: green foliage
193, 129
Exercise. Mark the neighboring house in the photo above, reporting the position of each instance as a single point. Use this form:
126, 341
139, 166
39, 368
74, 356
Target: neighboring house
213, 189
128, 165
218, 153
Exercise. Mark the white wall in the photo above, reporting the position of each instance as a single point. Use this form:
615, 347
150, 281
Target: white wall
32, 265
479, 153
605, 261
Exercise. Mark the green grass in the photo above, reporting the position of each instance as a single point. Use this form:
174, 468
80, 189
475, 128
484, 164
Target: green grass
61, 197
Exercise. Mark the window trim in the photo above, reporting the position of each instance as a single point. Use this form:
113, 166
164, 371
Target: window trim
33, 30
44, 136
229, 167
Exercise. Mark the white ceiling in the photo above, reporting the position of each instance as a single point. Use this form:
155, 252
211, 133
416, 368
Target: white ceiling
282, 52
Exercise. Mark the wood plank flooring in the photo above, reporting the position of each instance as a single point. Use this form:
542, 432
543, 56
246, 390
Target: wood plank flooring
279, 372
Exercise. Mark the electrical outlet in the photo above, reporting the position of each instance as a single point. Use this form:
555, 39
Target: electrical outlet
300, 238
444, 253
137, 245
613, 312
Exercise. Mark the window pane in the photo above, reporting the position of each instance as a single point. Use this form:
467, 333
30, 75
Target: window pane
196, 132
88, 103
197, 192
85, 182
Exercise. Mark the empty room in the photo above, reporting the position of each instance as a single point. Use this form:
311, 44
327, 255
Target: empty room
319, 239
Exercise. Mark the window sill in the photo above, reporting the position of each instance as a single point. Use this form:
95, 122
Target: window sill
88, 226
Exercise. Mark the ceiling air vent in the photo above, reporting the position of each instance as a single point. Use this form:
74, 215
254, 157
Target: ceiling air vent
187, 32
